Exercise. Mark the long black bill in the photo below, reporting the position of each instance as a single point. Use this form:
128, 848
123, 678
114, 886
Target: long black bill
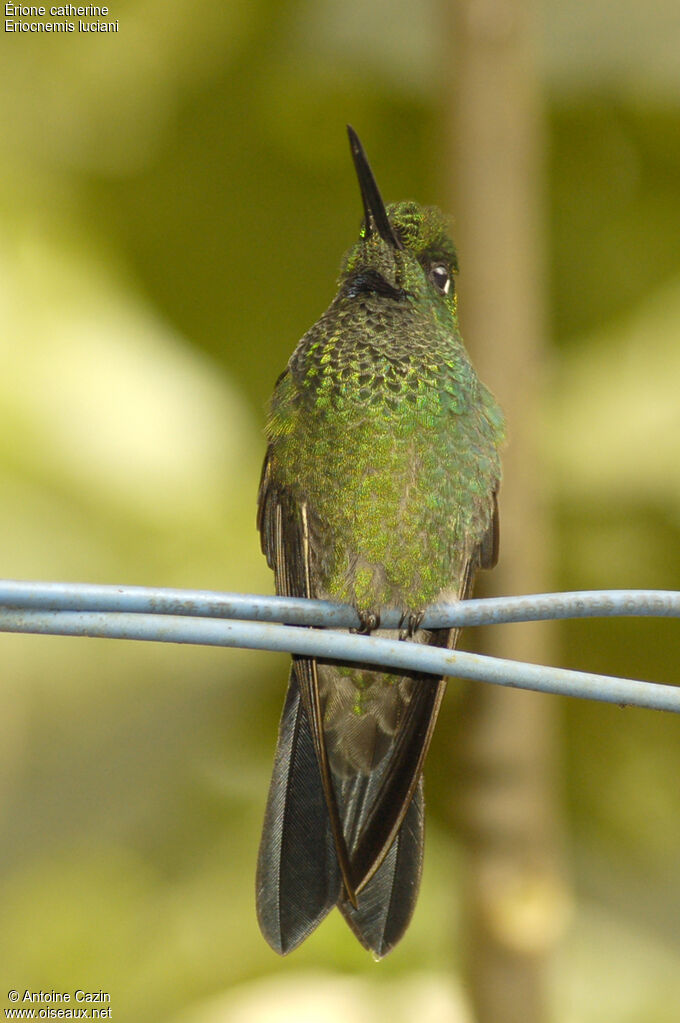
374, 207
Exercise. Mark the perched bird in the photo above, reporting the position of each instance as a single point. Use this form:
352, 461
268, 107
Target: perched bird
378, 490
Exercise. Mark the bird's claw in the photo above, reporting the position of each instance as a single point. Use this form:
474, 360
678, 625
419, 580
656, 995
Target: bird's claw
370, 621
409, 623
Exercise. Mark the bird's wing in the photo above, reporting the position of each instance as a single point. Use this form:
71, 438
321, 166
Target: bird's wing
298, 876
284, 534
380, 853
487, 552
387, 902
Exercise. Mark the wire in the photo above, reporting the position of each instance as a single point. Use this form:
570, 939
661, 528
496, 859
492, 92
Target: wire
208, 618
323, 613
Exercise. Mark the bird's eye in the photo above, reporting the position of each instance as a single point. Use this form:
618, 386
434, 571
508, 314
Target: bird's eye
441, 277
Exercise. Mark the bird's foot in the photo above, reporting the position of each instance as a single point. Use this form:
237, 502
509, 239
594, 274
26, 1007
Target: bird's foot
370, 621
409, 623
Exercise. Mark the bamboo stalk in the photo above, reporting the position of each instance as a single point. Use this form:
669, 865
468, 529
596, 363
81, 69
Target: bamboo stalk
507, 806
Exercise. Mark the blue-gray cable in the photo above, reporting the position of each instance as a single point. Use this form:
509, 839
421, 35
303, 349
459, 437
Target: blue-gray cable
244, 620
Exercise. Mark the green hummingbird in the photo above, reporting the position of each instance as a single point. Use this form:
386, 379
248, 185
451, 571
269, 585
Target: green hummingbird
378, 490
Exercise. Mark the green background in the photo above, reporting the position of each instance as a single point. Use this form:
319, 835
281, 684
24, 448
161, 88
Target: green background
174, 202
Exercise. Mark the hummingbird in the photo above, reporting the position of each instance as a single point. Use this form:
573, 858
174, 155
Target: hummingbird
379, 490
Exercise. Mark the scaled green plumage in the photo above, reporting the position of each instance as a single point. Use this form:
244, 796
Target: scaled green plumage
382, 425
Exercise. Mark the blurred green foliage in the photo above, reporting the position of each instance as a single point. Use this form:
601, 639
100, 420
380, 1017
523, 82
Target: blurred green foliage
174, 203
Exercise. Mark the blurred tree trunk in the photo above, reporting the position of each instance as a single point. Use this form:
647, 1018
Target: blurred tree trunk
507, 803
